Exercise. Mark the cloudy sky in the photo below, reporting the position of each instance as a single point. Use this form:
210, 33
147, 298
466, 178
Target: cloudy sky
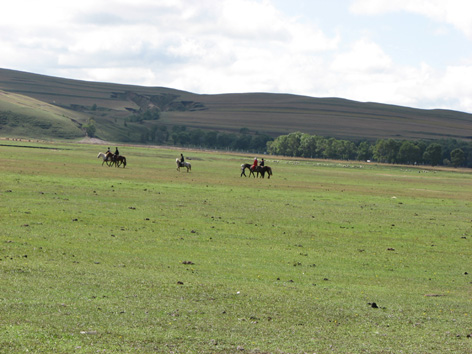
415, 53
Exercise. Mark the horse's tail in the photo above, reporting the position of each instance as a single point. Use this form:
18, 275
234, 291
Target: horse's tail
189, 166
124, 162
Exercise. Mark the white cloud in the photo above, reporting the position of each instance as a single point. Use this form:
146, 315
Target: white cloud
454, 12
365, 57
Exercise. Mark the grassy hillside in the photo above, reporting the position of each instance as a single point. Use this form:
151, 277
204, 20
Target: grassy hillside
28, 117
116, 110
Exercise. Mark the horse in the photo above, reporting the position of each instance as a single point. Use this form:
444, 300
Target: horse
183, 164
263, 169
243, 170
120, 160
106, 159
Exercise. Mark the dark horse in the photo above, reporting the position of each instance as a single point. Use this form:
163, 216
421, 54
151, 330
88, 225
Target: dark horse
243, 170
262, 170
120, 160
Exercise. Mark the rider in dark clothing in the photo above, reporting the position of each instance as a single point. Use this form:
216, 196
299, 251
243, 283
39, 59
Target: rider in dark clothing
182, 159
261, 163
117, 153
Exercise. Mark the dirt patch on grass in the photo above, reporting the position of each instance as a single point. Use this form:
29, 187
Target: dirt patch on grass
88, 140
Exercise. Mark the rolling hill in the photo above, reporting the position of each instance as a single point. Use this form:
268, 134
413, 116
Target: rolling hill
34, 105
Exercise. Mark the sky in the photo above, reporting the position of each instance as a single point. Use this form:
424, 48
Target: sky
415, 53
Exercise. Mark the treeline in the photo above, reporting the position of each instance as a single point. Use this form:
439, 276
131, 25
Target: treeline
179, 135
448, 152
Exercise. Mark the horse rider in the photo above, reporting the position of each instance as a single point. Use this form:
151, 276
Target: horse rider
117, 153
182, 160
108, 153
262, 162
254, 165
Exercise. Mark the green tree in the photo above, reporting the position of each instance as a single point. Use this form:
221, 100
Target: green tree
211, 139
457, 157
279, 146
329, 148
293, 144
259, 142
408, 153
308, 145
163, 133
345, 150
243, 142
321, 144
90, 128
386, 150
225, 140
197, 137
433, 154
364, 151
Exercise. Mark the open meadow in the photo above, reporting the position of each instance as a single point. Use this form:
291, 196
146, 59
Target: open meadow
323, 257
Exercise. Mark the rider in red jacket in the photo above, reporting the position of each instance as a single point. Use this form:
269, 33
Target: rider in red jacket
254, 165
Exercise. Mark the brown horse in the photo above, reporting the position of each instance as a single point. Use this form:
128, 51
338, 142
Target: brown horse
120, 160
262, 170
243, 170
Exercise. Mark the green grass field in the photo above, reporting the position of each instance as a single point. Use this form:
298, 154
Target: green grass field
324, 257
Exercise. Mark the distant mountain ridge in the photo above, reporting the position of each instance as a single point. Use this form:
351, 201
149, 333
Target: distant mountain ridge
35, 105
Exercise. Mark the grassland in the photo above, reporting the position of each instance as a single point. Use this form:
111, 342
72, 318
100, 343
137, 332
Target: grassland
147, 259
23, 116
